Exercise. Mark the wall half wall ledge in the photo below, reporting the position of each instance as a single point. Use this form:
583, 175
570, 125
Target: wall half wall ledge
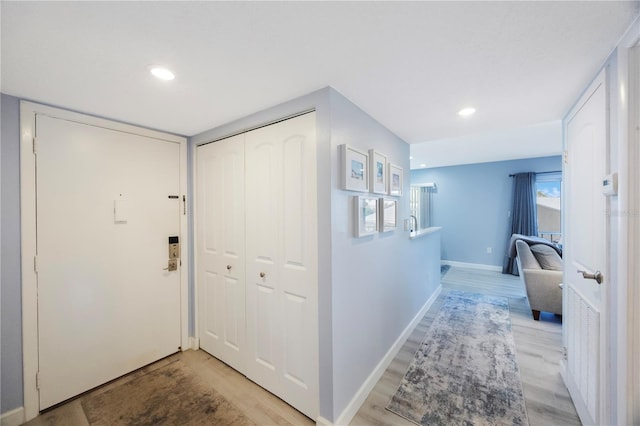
423, 232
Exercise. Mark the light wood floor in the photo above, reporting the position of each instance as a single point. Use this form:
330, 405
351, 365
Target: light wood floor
258, 405
538, 351
538, 345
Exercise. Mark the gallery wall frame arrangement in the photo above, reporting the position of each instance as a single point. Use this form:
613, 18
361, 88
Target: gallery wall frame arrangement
366, 215
355, 169
377, 172
388, 209
371, 172
395, 180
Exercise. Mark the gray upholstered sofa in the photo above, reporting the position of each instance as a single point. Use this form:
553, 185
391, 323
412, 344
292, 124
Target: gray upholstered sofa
540, 269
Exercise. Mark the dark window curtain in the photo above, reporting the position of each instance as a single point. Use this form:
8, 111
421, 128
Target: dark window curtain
426, 207
524, 214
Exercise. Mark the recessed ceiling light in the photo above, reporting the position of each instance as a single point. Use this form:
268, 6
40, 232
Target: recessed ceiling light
410, 158
423, 165
466, 112
162, 73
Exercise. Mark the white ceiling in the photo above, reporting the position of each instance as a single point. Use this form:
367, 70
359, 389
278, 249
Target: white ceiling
539, 140
411, 65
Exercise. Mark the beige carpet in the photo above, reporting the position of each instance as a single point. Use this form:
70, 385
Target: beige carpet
171, 395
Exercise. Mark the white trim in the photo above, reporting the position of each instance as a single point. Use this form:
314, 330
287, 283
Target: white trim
194, 246
631, 371
472, 265
28, 111
14, 417
185, 244
194, 344
625, 308
323, 422
365, 389
28, 251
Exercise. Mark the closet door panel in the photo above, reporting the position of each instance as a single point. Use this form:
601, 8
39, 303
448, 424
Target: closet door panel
263, 223
220, 250
282, 260
298, 269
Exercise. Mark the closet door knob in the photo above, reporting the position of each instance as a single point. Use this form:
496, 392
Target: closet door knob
228, 267
262, 275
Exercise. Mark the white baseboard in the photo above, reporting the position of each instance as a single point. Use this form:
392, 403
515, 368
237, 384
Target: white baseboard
356, 402
14, 417
472, 265
194, 344
323, 422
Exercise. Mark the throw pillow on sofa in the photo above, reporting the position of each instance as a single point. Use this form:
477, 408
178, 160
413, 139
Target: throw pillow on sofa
547, 257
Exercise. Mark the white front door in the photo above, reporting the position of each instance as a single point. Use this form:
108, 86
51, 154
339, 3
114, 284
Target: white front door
585, 250
107, 202
281, 214
220, 265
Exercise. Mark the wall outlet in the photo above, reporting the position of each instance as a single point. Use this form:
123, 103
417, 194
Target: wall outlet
489, 250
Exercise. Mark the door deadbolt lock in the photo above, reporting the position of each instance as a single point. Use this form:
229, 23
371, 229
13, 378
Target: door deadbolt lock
172, 265
174, 248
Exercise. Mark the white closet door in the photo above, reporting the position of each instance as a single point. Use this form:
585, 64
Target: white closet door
281, 225
220, 248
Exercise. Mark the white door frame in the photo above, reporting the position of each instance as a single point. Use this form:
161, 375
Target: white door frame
627, 405
632, 407
28, 111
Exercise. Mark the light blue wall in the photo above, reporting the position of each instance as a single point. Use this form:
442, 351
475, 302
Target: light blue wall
379, 282
472, 205
10, 287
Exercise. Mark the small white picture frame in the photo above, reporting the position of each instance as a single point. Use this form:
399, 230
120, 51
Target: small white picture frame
355, 169
366, 215
388, 209
395, 180
377, 172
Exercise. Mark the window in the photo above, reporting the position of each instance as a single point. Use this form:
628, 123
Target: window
548, 200
421, 203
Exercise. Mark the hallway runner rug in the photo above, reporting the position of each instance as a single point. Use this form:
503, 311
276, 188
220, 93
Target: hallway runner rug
465, 371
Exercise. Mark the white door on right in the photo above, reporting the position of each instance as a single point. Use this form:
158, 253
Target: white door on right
585, 273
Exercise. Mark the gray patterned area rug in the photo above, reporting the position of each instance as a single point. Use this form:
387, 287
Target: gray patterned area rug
465, 372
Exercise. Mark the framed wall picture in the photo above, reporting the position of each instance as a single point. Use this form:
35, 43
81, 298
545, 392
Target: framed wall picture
355, 169
366, 215
377, 172
395, 180
388, 214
